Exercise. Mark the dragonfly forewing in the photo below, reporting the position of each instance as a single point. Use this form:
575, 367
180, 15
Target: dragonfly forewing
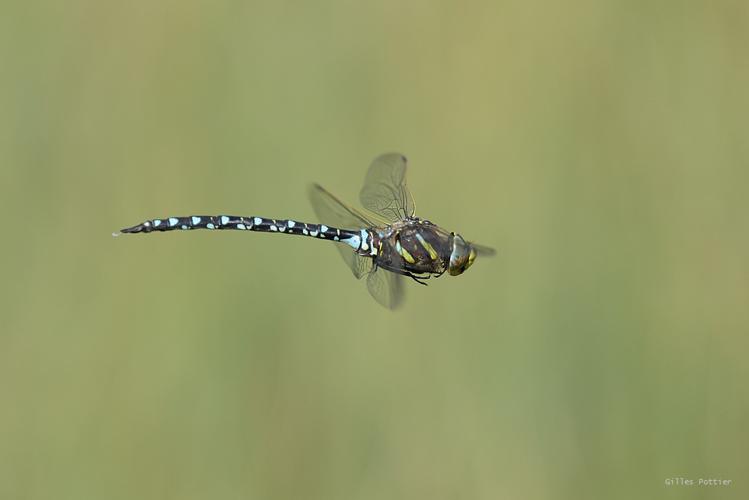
385, 192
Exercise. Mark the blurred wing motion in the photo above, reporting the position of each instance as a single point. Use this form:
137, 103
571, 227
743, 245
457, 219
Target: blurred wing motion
333, 211
385, 192
386, 288
483, 251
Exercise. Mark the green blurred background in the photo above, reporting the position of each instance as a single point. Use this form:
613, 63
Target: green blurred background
600, 146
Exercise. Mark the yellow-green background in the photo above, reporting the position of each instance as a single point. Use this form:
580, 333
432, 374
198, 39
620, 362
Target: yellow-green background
601, 146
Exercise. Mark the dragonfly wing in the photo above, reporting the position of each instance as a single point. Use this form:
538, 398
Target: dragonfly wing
386, 287
385, 192
483, 251
360, 266
331, 210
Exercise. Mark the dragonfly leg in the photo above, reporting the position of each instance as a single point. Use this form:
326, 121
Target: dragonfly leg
418, 279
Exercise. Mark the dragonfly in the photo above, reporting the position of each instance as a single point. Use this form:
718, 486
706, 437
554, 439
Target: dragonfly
384, 244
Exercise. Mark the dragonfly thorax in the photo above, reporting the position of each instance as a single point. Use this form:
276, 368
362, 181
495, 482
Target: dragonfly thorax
412, 247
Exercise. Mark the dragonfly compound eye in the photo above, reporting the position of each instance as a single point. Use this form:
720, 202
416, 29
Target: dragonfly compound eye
462, 255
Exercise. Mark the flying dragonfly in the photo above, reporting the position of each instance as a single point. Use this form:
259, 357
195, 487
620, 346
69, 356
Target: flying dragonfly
383, 244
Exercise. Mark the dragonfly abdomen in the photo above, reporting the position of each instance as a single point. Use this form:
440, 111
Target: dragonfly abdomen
356, 239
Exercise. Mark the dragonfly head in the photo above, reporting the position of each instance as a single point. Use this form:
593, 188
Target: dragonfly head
462, 255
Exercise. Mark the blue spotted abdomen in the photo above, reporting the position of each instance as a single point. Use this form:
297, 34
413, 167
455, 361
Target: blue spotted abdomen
356, 239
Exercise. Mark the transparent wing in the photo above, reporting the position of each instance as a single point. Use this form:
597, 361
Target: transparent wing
360, 266
385, 192
483, 251
331, 210
386, 287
